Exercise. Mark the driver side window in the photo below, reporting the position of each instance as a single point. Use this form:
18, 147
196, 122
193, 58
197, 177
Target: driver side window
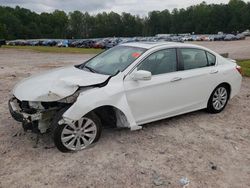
160, 62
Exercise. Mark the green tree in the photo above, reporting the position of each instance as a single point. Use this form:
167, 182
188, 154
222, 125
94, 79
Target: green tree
60, 23
3, 31
76, 24
202, 18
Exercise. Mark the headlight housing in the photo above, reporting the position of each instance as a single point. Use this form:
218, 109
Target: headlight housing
36, 105
73, 98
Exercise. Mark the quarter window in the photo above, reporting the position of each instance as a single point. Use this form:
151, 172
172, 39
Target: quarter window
163, 61
193, 58
211, 59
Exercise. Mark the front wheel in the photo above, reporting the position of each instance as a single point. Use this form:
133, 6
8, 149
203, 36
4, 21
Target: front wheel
218, 99
78, 135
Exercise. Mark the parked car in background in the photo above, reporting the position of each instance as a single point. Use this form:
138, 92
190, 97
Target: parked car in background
246, 33
49, 42
187, 38
126, 86
2, 42
17, 43
99, 44
32, 43
63, 43
106, 43
87, 43
176, 39
210, 37
219, 37
240, 36
230, 37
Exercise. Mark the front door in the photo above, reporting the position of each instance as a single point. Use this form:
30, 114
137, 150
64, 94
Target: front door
152, 99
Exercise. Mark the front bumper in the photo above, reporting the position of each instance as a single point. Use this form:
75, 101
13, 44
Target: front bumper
19, 115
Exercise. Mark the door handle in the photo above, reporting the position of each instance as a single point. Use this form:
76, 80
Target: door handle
176, 79
214, 71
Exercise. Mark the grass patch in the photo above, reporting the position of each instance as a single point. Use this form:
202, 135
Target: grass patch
245, 65
55, 49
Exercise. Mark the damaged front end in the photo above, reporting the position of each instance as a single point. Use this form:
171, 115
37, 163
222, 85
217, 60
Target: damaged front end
35, 116
38, 116
37, 99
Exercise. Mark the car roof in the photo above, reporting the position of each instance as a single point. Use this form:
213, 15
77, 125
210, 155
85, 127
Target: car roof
149, 45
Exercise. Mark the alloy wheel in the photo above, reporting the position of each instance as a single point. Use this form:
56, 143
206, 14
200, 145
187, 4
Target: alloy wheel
79, 135
220, 98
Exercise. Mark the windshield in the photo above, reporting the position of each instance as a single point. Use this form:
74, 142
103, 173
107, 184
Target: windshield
113, 60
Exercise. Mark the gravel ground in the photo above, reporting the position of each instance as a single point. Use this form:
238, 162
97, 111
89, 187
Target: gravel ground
210, 150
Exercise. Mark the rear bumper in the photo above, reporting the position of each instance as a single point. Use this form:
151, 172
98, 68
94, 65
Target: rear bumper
236, 85
18, 114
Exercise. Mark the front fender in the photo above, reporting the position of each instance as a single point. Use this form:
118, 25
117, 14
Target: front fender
91, 99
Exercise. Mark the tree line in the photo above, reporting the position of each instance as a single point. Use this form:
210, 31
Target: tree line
21, 23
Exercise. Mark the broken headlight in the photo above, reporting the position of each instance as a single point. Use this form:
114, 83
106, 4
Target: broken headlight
36, 105
72, 98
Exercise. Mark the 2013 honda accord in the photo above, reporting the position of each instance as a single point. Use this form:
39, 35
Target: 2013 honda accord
126, 86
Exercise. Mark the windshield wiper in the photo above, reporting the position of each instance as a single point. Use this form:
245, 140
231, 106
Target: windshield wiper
91, 69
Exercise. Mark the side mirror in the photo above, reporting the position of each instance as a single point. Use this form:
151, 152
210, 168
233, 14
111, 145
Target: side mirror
142, 75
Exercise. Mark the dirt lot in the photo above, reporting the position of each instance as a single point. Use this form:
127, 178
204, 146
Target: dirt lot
237, 49
210, 150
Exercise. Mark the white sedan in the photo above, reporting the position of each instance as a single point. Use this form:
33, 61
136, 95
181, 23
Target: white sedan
126, 86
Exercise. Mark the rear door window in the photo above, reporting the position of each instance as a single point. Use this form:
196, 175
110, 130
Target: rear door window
193, 58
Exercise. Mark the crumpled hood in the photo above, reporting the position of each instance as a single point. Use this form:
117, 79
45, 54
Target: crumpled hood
55, 84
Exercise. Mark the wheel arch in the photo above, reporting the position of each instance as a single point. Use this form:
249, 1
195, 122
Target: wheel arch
226, 84
108, 97
111, 116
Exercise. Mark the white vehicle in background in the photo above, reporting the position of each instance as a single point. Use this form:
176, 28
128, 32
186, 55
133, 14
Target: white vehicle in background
63, 43
126, 86
246, 33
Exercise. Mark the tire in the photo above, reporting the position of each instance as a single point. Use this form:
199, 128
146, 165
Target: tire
218, 99
27, 126
75, 137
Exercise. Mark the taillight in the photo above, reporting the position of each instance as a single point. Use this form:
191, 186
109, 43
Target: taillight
239, 69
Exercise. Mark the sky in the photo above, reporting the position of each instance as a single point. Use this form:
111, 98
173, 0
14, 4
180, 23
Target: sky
136, 7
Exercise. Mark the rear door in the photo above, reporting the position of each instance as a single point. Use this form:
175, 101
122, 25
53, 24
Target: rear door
198, 74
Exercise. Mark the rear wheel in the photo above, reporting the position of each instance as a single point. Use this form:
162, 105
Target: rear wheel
218, 99
78, 135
